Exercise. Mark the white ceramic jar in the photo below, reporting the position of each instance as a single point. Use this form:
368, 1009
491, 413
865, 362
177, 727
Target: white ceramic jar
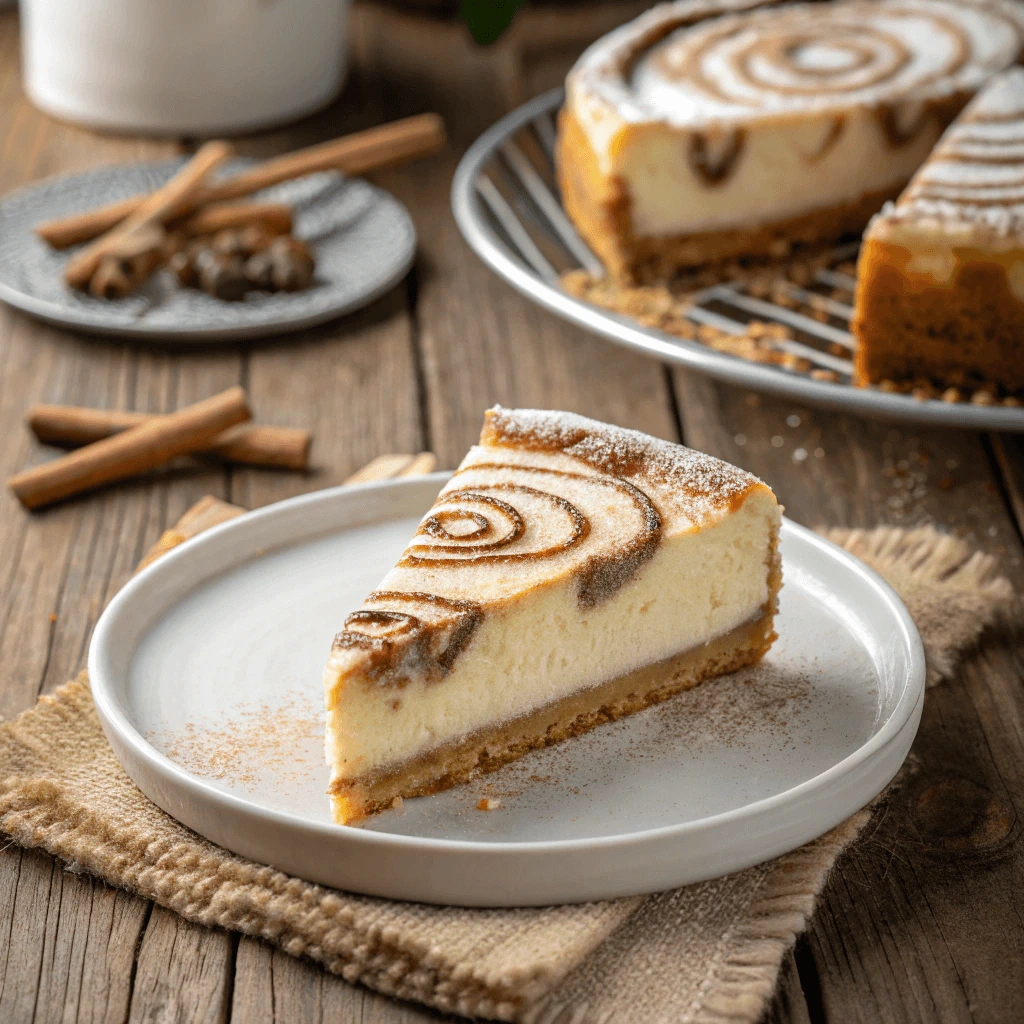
183, 66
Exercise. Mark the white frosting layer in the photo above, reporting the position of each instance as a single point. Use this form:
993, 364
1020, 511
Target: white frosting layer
699, 585
799, 90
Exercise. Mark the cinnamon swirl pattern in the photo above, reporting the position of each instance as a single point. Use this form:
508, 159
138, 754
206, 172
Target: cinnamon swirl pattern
407, 636
810, 56
530, 521
976, 173
546, 499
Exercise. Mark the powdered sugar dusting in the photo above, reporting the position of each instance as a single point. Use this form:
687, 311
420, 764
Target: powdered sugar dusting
975, 176
800, 57
698, 482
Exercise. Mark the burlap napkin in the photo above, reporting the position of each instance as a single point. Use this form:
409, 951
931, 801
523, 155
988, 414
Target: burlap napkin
706, 953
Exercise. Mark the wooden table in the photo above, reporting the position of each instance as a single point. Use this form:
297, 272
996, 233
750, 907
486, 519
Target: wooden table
923, 919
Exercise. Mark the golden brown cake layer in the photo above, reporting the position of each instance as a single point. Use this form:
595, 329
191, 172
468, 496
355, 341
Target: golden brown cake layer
964, 333
582, 711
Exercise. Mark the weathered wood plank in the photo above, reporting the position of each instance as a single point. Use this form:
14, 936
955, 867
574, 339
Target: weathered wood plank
353, 384
274, 988
924, 914
1008, 451
788, 1006
89, 952
183, 973
481, 343
69, 943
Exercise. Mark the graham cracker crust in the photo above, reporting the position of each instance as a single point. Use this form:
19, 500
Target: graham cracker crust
914, 332
490, 749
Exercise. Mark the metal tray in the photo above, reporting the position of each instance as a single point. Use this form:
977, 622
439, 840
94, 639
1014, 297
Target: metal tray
506, 205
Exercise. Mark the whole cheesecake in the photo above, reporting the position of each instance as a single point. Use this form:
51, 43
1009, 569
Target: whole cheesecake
570, 573
940, 284
688, 138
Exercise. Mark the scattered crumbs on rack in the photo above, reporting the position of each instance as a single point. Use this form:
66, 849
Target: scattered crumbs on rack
787, 284
263, 740
666, 306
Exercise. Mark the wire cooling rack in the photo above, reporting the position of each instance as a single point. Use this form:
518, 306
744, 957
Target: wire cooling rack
506, 204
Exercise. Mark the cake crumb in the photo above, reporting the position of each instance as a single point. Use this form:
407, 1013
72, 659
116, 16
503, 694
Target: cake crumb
397, 803
488, 803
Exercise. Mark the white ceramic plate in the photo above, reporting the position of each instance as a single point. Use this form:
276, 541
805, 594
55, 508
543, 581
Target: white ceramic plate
206, 674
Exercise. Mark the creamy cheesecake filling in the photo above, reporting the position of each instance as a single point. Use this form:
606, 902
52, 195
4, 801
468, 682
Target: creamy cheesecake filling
778, 172
697, 586
935, 253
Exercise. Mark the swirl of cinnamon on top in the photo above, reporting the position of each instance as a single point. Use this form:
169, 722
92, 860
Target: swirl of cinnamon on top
979, 164
801, 54
525, 517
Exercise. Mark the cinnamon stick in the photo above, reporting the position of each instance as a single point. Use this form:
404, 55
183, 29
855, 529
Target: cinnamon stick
273, 217
154, 209
391, 467
143, 447
359, 153
283, 447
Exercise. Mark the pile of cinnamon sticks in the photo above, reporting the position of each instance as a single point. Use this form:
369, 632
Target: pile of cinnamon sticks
130, 239
121, 444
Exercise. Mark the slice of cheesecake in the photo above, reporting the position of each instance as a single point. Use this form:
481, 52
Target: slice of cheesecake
940, 282
568, 574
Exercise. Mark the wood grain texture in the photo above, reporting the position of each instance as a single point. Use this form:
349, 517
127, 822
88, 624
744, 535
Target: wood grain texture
922, 921
924, 914
183, 973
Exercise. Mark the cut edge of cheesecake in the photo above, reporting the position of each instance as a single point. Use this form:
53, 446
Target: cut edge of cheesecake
940, 282
690, 495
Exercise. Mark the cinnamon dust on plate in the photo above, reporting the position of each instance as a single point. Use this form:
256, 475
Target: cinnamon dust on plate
262, 740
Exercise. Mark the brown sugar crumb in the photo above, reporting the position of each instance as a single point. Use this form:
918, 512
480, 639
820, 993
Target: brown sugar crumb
488, 803
665, 306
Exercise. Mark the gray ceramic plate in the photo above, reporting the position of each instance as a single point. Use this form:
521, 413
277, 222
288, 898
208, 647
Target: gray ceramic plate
363, 238
206, 672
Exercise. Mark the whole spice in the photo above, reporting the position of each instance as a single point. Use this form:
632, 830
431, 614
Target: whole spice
292, 264
384, 146
222, 276
257, 445
150, 444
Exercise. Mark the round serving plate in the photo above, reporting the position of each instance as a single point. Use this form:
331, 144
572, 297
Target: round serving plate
505, 201
206, 673
363, 239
